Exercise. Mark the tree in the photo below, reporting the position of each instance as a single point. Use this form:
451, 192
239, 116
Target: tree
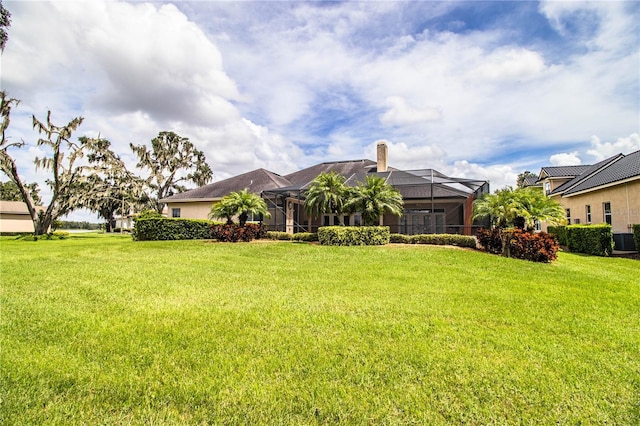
327, 194
116, 190
522, 177
374, 198
522, 206
9, 191
171, 160
242, 204
5, 22
68, 183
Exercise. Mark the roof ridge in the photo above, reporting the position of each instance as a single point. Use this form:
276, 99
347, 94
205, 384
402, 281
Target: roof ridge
597, 168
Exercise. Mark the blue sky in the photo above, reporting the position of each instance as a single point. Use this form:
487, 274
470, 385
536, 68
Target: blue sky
474, 89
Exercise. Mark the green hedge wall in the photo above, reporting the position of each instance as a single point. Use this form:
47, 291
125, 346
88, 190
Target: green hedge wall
153, 229
444, 240
560, 232
354, 235
590, 239
636, 236
305, 236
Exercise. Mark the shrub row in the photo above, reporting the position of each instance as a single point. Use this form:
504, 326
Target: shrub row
353, 235
560, 232
536, 247
305, 236
636, 236
232, 233
153, 229
589, 239
436, 239
279, 235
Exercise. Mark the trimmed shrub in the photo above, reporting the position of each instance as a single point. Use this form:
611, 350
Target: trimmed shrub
60, 235
354, 235
536, 247
444, 240
279, 235
232, 233
636, 236
560, 232
305, 236
590, 239
400, 239
153, 229
490, 240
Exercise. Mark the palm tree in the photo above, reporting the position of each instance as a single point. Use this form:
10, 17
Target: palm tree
239, 203
374, 198
538, 207
502, 208
508, 207
327, 194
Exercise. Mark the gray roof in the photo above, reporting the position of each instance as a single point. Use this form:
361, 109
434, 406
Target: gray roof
619, 167
531, 181
255, 181
563, 171
412, 184
588, 171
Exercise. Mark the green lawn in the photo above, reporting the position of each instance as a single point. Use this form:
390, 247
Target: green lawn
103, 330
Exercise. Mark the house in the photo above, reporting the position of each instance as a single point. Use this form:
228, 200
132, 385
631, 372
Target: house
433, 202
14, 217
606, 192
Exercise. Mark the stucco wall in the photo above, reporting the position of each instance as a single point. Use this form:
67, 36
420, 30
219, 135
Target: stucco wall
625, 206
15, 223
194, 210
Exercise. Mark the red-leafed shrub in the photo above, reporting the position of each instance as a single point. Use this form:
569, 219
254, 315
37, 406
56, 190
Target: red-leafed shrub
232, 233
540, 247
490, 240
537, 247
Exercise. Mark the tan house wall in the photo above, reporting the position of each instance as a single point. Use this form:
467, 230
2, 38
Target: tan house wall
193, 210
15, 223
625, 206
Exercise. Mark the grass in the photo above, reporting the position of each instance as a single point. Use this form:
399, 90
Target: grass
102, 330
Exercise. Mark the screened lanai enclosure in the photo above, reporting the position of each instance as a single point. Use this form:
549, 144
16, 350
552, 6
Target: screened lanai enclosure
433, 202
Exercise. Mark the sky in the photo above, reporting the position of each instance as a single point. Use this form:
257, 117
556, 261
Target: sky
475, 89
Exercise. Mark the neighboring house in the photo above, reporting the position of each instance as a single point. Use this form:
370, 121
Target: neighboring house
434, 203
606, 192
14, 217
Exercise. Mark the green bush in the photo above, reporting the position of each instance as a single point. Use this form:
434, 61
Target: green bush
560, 232
279, 235
444, 239
60, 235
400, 239
590, 239
354, 235
636, 236
305, 236
163, 228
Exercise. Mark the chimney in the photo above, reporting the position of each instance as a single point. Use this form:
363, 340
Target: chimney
383, 153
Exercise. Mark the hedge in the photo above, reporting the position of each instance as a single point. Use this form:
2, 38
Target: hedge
279, 235
444, 240
636, 236
560, 232
232, 233
590, 239
153, 229
354, 235
305, 236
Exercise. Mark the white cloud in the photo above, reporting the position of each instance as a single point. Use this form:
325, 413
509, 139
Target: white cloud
401, 113
509, 64
565, 159
602, 150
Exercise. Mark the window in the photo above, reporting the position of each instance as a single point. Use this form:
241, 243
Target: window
588, 210
607, 212
175, 212
576, 221
325, 221
547, 187
568, 216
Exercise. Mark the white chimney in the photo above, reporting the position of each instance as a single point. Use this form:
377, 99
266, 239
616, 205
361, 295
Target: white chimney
383, 154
